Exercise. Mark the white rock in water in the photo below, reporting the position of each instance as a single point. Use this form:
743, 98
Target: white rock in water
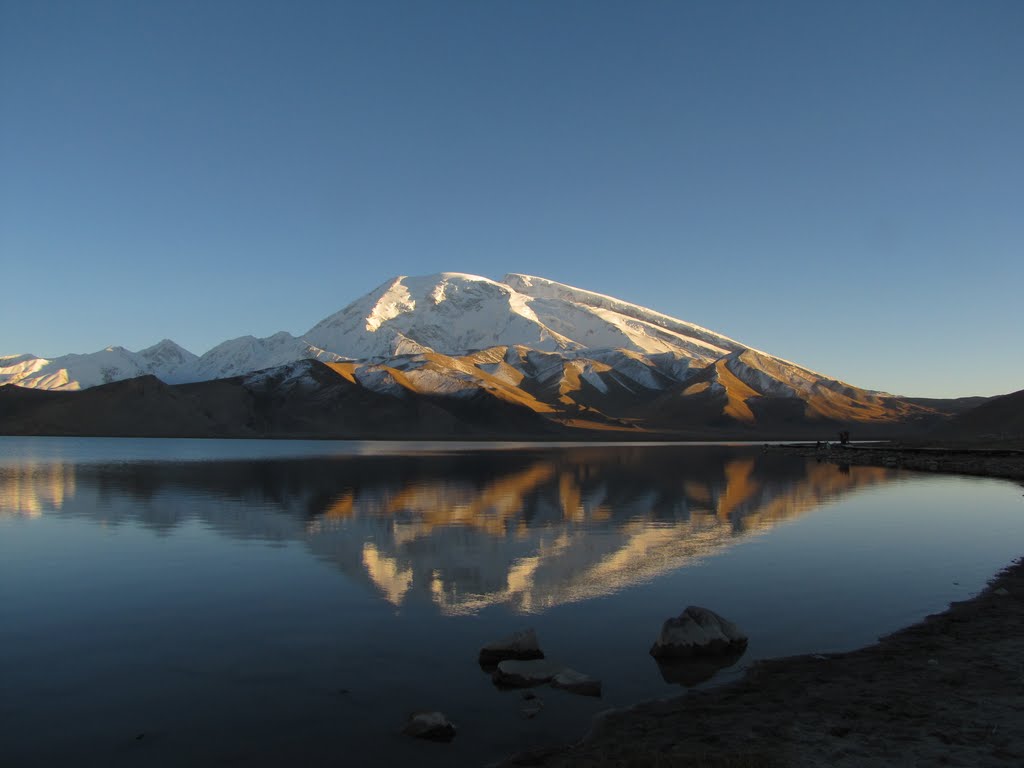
523, 674
519, 645
576, 682
698, 632
430, 725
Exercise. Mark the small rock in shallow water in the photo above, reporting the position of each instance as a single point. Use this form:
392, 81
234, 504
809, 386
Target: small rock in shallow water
519, 645
430, 725
524, 674
576, 682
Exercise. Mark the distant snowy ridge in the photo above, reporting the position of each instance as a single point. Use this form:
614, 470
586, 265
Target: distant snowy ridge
165, 360
455, 314
247, 353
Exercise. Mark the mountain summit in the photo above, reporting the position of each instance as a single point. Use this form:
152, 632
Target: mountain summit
554, 353
454, 314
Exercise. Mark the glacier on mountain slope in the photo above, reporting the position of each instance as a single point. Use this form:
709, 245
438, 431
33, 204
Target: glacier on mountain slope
539, 323
613, 309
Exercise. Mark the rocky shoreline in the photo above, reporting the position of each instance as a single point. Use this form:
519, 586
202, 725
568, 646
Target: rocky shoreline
1004, 461
946, 691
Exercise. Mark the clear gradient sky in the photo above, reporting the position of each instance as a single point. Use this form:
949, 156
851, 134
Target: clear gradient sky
838, 183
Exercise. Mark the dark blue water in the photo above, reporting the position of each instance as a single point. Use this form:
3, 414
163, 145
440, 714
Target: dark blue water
171, 602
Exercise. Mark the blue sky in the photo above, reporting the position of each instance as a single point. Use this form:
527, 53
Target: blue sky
837, 183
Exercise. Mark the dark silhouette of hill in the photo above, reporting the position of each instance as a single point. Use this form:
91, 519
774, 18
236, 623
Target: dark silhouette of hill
998, 418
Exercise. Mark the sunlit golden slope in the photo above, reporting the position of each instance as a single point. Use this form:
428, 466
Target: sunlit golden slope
502, 390
736, 394
627, 390
760, 392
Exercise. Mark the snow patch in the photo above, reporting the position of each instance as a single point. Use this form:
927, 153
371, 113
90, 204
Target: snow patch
395, 301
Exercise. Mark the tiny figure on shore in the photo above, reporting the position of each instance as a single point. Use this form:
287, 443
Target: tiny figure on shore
844, 437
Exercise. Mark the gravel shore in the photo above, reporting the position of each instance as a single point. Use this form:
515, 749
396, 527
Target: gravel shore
946, 691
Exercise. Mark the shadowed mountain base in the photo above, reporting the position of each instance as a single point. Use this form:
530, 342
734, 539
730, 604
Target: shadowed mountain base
476, 396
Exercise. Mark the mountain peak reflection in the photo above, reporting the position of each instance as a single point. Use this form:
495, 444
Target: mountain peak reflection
529, 528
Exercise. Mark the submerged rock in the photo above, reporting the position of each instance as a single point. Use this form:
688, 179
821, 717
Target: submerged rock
515, 673
698, 632
519, 645
430, 725
576, 682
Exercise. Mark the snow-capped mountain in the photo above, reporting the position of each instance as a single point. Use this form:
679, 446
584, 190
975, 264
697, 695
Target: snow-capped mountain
565, 355
450, 313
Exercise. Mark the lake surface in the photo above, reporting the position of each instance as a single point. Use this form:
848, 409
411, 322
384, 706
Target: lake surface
251, 603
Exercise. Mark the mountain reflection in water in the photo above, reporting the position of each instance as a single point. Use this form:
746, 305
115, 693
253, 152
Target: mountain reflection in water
530, 529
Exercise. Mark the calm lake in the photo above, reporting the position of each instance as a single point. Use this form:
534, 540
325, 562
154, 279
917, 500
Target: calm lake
267, 603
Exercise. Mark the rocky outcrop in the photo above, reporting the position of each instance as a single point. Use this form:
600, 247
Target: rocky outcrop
430, 725
698, 632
